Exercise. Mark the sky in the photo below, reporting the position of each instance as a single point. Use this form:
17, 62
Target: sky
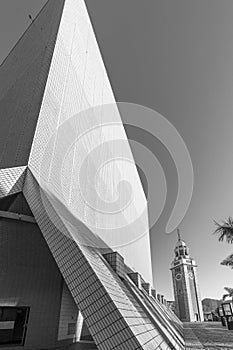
175, 57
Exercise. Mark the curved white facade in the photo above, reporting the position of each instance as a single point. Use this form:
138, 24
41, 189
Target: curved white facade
80, 153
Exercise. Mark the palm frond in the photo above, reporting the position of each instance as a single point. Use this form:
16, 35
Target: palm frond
225, 230
229, 291
228, 261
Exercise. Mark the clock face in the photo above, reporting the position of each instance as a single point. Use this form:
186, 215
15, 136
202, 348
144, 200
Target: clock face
190, 274
178, 276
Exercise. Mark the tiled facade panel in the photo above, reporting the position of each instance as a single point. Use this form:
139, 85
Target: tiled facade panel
68, 316
84, 284
113, 315
116, 261
30, 277
11, 180
100, 315
165, 324
77, 80
133, 315
24, 73
143, 328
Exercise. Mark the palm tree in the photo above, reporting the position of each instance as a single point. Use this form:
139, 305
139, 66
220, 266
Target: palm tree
225, 230
229, 293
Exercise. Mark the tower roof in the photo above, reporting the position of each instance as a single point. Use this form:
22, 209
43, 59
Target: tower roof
180, 241
181, 248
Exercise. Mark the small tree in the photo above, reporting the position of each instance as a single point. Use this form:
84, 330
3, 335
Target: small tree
229, 293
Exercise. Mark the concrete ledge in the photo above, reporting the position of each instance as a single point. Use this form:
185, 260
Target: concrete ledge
116, 261
147, 288
136, 278
16, 216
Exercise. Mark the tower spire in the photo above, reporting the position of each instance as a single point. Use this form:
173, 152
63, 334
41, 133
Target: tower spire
178, 233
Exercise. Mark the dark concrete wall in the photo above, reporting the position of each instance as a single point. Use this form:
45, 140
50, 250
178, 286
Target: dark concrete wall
30, 277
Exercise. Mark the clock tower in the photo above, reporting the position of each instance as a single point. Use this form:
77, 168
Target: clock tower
185, 284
